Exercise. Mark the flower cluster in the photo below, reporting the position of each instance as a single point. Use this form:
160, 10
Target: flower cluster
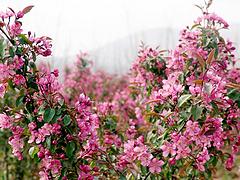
176, 114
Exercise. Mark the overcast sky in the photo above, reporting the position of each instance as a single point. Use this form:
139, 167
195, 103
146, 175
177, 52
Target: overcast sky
88, 24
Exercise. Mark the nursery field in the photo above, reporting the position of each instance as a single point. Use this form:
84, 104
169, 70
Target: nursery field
174, 115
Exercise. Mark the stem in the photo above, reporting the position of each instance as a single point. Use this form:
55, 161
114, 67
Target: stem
147, 175
6, 161
11, 41
109, 161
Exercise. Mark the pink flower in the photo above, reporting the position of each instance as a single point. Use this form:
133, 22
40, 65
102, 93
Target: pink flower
20, 14
56, 72
43, 175
32, 126
17, 142
145, 158
192, 129
168, 148
15, 29
42, 45
85, 171
2, 90
55, 166
155, 165
4, 72
202, 158
18, 61
229, 163
49, 164
56, 128
19, 79
83, 102
5, 121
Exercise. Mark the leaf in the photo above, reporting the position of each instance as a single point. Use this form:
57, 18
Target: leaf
201, 8
183, 99
32, 151
33, 66
233, 94
198, 81
48, 142
110, 124
34, 57
11, 10
11, 51
215, 107
122, 177
71, 146
210, 56
233, 85
66, 120
23, 39
29, 107
27, 9
31, 83
214, 160
195, 25
49, 114
2, 48
19, 100
201, 60
196, 112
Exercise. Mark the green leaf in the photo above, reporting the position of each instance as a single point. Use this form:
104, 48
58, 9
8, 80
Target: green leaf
32, 151
195, 25
234, 94
11, 51
49, 114
196, 112
71, 146
23, 39
2, 48
110, 123
66, 120
183, 99
215, 107
19, 100
34, 57
33, 66
32, 82
122, 177
48, 142
30, 107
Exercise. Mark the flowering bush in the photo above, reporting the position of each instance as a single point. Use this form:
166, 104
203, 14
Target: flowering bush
176, 115
99, 86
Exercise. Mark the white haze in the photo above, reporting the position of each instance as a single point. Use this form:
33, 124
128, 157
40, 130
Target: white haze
111, 30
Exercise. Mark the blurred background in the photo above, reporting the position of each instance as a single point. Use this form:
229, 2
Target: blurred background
112, 30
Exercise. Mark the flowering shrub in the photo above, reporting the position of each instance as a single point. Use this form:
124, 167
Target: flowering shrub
56, 136
176, 115
99, 86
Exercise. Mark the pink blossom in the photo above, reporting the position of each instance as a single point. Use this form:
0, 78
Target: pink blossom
85, 173
2, 90
5, 121
229, 163
43, 175
17, 142
15, 29
202, 158
18, 61
168, 148
50, 164
19, 79
155, 165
